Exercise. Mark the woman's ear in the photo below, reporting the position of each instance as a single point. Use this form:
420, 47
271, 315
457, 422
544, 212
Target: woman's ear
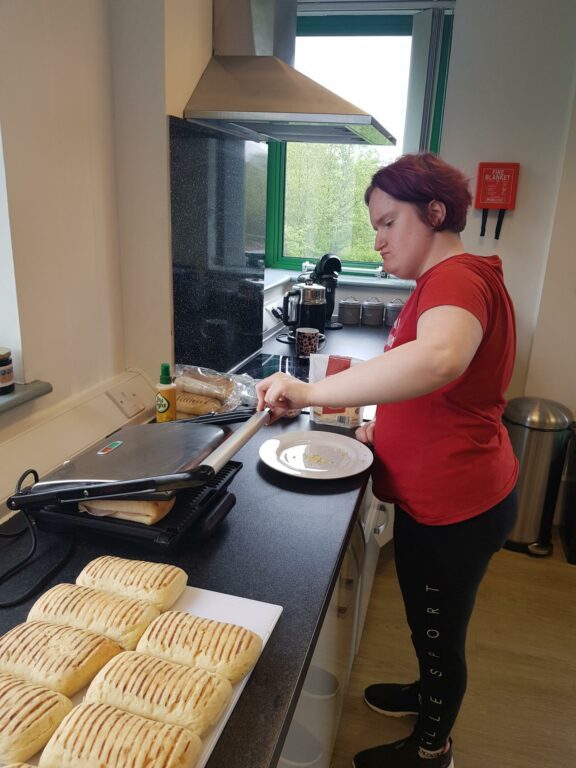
436, 213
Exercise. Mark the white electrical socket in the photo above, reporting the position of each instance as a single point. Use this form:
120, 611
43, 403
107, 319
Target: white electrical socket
126, 399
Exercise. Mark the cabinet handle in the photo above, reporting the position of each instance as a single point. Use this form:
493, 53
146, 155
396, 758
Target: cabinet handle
379, 529
341, 611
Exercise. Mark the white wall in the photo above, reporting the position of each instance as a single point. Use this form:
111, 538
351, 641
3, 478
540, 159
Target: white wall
83, 112
509, 98
56, 116
84, 94
141, 157
188, 36
552, 370
158, 53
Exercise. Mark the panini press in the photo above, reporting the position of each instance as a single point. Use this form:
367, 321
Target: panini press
143, 462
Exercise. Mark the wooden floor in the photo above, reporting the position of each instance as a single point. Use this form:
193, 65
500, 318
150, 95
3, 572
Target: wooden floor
520, 707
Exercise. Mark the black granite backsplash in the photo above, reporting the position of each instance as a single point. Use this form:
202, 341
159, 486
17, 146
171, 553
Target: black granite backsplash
218, 210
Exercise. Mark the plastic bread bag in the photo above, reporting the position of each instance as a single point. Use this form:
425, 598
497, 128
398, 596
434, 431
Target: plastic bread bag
203, 390
327, 365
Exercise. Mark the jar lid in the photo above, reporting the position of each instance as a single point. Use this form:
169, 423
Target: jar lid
5, 353
372, 302
394, 304
350, 300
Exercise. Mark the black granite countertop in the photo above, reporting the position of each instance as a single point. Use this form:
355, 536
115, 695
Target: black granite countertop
282, 543
361, 341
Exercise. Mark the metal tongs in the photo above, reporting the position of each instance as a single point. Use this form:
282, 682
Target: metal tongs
200, 475
242, 413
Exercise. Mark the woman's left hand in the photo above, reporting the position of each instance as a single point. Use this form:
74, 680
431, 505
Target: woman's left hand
282, 393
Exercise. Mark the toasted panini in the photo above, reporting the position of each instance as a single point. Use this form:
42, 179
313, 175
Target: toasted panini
99, 736
161, 690
29, 715
157, 583
227, 649
122, 619
61, 658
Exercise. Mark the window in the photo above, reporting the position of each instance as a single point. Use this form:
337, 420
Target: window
315, 191
10, 326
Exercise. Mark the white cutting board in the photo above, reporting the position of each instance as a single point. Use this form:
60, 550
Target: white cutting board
252, 614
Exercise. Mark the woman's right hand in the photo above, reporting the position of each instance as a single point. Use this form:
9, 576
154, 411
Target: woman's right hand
283, 394
365, 433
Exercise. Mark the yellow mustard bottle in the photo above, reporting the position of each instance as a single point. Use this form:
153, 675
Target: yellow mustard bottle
165, 395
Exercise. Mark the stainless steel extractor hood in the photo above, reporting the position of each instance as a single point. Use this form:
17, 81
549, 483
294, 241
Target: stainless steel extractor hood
250, 89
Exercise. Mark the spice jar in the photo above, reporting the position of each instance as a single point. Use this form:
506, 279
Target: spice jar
349, 311
6, 372
372, 311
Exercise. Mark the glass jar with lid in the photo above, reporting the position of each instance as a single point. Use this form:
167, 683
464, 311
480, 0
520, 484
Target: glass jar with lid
6, 372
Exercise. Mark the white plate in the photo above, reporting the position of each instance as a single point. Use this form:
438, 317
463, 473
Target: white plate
252, 614
316, 454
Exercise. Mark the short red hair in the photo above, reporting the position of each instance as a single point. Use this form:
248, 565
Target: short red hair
421, 178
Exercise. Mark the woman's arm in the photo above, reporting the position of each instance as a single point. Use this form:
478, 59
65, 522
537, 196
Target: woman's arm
447, 340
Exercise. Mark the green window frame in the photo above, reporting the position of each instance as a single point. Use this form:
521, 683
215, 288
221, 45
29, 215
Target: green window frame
332, 26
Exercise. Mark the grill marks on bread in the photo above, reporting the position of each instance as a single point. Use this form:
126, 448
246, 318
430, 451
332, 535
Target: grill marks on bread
157, 583
162, 690
99, 736
61, 658
18, 765
227, 649
119, 618
29, 715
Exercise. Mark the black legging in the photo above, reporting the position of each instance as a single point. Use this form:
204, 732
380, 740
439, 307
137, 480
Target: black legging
439, 568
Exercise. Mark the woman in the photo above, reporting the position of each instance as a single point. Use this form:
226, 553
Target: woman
441, 453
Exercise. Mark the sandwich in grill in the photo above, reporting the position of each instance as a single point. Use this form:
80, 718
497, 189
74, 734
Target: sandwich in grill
135, 510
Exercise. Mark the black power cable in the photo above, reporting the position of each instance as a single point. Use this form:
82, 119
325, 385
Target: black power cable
17, 567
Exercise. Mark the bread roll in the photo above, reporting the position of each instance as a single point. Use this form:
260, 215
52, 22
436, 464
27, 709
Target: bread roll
217, 387
228, 649
137, 511
98, 736
158, 583
197, 405
122, 619
29, 715
62, 658
18, 765
161, 690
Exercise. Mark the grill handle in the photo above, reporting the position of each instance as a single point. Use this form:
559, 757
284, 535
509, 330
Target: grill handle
230, 447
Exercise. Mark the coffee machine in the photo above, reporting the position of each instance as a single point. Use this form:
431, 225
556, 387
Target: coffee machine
325, 273
304, 306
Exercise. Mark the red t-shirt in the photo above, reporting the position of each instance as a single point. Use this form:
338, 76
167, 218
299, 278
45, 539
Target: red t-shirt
446, 456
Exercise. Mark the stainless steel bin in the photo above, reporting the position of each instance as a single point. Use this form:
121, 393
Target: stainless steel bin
539, 430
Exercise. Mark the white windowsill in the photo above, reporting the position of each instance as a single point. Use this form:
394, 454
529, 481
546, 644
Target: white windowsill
23, 393
273, 277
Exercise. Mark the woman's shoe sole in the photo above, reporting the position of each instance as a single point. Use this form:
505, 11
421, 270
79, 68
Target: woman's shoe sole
450, 766
388, 713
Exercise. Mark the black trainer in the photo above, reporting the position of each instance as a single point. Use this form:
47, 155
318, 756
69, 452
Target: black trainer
401, 754
393, 699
